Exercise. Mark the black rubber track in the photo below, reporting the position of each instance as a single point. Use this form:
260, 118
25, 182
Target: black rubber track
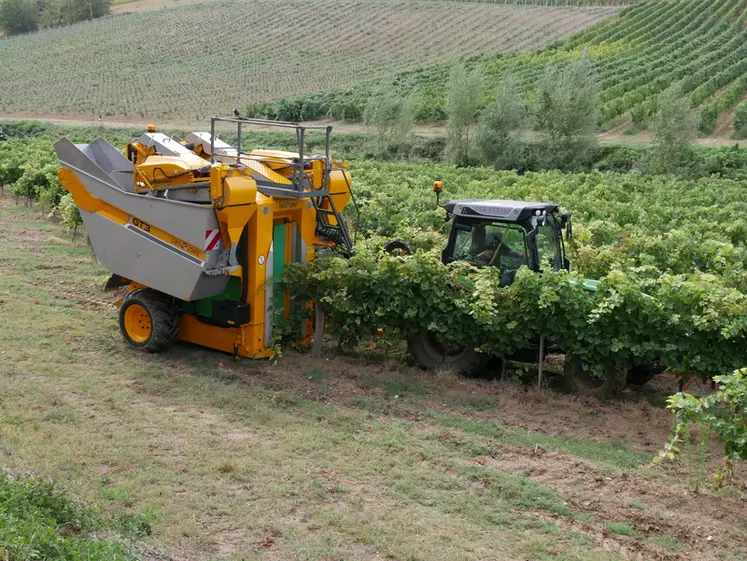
432, 355
164, 318
398, 245
582, 382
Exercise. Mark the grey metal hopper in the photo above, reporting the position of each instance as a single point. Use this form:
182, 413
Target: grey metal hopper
131, 251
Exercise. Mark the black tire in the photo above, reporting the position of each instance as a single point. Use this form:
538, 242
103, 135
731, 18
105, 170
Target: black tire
644, 373
398, 247
582, 382
431, 354
163, 315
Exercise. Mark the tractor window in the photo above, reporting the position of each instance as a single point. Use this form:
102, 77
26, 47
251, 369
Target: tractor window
495, 244
548, 247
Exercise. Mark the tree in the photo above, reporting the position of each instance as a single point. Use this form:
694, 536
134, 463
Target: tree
463, 96
389, 119
497, 134
405, 122
19, 16
674, 128
65, 12
565, 114
740, 120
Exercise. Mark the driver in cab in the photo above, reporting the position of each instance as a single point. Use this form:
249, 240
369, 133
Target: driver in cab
488, 252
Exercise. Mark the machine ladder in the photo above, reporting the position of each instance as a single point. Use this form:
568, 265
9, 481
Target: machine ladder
334, 230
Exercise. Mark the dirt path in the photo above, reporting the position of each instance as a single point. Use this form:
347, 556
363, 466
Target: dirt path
129, 6
136, 122
614, 136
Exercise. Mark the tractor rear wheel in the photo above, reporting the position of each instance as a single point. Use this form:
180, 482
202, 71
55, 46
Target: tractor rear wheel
433, 354
584, 382
149, 320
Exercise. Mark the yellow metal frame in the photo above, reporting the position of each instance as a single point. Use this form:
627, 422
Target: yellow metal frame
238, 206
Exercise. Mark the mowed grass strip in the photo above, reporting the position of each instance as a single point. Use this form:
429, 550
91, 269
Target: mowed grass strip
227, 463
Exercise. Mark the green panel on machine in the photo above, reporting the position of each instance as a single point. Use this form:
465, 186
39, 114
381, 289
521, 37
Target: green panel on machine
278, 263
204, 306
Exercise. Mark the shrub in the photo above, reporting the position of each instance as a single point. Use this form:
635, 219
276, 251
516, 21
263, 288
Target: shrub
565, 115
37, 521
723, 414
708, 117
740, 120
497, 134
674, 130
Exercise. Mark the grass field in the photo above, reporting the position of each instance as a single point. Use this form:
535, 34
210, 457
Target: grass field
200, 59
334, 458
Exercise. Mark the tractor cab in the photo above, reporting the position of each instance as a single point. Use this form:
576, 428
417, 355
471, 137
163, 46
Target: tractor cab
507, 235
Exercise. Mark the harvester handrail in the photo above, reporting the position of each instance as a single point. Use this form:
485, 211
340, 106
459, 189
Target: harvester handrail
270, 123
297, 164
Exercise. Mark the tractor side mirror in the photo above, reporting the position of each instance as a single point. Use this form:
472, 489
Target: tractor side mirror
567, 264
565, 222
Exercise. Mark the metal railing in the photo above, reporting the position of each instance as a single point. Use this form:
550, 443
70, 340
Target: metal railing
298, 164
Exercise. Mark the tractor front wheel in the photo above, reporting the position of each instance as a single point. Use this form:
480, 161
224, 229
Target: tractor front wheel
584, 382
149, 320
433, 354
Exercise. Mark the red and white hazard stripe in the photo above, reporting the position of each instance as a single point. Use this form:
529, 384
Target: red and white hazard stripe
212, 237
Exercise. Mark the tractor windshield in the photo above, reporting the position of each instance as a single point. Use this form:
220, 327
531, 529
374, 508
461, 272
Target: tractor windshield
548, 246
491, 244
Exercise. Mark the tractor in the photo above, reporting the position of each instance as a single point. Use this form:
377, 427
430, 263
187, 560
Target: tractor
509, 235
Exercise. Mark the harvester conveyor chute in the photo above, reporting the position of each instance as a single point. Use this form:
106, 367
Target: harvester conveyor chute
126, 238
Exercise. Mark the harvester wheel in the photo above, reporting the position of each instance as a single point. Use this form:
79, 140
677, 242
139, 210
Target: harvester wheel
149, 320
432, 354
398, 247
581, 381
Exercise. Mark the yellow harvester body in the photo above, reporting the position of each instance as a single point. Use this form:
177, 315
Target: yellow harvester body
200, 231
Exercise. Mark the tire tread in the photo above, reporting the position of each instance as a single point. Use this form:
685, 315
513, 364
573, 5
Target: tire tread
164, 315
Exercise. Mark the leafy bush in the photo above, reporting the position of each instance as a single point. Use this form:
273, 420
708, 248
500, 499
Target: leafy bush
389, 120
723, 413
674, 130
24, 16
497, 134
693, 324
708, 117
740, 120
565, 115
37, 521
462, 101
69, 212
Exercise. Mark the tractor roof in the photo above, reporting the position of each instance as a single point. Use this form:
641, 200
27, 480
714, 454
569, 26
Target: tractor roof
508, 211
